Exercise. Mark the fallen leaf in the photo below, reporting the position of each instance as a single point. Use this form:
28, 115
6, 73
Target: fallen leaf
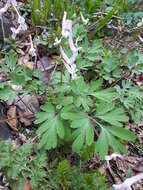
13, 123
23, 59
26, 106
102, 169
28, 186
29, 64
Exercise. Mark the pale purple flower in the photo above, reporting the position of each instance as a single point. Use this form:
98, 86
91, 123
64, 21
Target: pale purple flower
126, 185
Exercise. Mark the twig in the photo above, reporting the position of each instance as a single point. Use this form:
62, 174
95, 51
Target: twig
41, 62
3, 32
94, 129
20, 116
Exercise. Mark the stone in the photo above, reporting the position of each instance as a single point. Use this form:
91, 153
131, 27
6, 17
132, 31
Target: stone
7, 24
5, 131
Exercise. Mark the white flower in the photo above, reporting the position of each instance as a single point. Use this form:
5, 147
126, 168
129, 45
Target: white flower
67, 33
32, 50
57, 42
114, 156
14, 2
66, 28
140, 38
85, 21
140, 23
5, 8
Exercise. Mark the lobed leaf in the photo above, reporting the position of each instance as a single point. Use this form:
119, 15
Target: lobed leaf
114, 117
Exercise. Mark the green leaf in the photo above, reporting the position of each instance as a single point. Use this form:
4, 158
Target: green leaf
116, 145
103, 21
52, 126
105, 140
48, 113
96, 47
63, 100
83, 64
50, 131
122, 133
96, 85
79, 86
11, 59
102, 144
103, 108
114, 117
84, 101
109, 63
6, 92
106, 95
78, 143
18, 78
63, 173
93, 56
83, 129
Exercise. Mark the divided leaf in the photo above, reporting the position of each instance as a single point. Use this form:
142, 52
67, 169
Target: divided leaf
106, 95
83, 133
107, 139
122, 133
11, 59
114, 117
79, 86
49, 112
51, 130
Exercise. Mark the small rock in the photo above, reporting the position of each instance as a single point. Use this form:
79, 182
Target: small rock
5, 132
7, 24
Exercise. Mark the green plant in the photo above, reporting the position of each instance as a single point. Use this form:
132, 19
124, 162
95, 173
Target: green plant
17, 166
40, 12
15, 73
79, 111
63, 174
29, 163
72, 115
76, 179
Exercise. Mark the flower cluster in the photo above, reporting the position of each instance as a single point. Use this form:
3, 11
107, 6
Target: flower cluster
67, 33
20, 20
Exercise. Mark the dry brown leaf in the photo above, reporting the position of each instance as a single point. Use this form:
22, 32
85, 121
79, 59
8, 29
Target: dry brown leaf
23, 59
13, 123
102, 169
26, 106
29, 64
28, 186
